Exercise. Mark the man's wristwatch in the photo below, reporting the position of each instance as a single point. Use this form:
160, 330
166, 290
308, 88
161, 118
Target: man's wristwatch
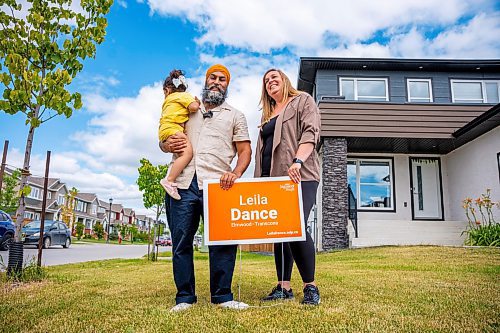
297, 160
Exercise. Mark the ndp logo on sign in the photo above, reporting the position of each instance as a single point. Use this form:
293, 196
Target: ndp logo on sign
259, 210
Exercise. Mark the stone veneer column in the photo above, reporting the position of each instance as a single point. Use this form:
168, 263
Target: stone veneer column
334, 194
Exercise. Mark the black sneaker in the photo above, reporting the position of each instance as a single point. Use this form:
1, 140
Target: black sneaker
311, 295
279, 293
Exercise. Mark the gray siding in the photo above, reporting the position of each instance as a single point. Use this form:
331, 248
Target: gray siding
327, 82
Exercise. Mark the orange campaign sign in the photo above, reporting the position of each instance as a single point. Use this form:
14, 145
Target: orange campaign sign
254, 210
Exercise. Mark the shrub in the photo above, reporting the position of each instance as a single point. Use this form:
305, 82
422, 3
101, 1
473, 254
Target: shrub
133, 233
142, 236
484, 235
99, 230
79, 230
482, 229
113, 235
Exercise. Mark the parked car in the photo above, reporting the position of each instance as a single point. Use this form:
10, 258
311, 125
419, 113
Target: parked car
7, 230
159, 241
164, 241
54, 233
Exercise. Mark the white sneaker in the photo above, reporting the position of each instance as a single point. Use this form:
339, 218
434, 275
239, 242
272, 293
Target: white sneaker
181, 307
233, 305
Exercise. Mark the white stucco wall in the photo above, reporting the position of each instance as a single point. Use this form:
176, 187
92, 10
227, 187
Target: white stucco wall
465, 172
402, 189
470, 170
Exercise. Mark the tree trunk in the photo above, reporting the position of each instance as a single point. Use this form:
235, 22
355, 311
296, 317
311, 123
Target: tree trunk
16, 252
24, 181
149, 238
158, 212
154, 239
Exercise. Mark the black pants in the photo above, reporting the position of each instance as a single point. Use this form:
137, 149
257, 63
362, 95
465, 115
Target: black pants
303, 253
183, 218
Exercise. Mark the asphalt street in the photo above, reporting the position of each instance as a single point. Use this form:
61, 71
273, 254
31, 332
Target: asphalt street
56, 255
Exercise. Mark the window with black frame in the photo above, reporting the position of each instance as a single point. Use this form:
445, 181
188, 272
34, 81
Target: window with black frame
498, 163
371, 181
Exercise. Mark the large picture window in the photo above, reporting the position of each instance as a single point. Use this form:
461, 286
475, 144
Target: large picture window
364, 89
475, 91
372, 182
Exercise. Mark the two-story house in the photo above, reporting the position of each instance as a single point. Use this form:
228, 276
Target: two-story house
116, 215
141, 222
128, 216
103, 213
145, 223
56, 192
406, 140
86, 206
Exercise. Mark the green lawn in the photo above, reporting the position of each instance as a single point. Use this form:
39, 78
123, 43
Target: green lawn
388, 289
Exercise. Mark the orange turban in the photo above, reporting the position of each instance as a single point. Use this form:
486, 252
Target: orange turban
218, 68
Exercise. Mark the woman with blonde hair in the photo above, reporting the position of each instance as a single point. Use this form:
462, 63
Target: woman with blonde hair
286, 146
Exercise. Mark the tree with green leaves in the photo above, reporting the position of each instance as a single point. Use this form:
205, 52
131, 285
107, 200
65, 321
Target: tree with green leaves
153, 194
9, 197
42, 47
98, 230
134, 231
68, 208
80, 227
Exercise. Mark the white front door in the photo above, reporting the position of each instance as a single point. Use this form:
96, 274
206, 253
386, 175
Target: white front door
426, 189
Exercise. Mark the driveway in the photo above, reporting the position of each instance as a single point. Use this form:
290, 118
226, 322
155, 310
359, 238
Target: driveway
56, 255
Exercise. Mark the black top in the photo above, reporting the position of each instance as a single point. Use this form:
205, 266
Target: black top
267, 148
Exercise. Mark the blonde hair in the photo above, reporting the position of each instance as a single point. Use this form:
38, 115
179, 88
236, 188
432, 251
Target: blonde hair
267, 103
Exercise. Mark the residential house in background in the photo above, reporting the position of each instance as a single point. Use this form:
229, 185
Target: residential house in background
86, 207
56, 192
89, 209
116, 216
103, 213
403, 142
142, 222
128, 216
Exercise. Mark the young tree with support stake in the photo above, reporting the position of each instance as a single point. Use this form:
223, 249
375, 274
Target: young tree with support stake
153, 193
68, 209
42, 52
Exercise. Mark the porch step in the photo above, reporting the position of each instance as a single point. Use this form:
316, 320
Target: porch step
382, 232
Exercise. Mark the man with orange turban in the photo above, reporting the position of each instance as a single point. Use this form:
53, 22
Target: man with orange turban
218, 68
217, 134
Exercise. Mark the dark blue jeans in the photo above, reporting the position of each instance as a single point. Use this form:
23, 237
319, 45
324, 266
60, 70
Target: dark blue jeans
183, 218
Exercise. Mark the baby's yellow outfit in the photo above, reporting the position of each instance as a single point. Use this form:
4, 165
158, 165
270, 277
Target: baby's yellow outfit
174, 113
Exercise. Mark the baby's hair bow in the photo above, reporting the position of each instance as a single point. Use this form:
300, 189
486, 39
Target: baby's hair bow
178, 81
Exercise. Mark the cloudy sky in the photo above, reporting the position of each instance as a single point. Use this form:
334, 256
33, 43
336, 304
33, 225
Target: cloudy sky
98, 149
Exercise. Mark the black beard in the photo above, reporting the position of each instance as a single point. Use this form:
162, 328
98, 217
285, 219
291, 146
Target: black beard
214, 98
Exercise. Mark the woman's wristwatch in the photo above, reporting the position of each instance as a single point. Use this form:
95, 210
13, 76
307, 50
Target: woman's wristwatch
297, 160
